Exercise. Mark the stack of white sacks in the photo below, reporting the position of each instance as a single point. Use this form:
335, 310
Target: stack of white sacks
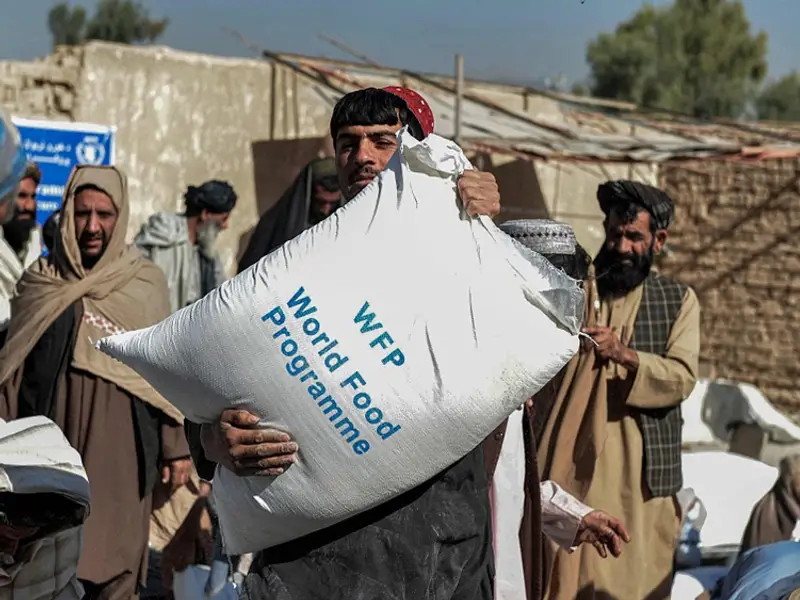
389, 341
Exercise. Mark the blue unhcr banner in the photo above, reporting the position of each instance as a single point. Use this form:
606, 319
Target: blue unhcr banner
57, 146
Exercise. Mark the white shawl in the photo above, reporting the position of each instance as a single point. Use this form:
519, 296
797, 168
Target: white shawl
12, 268
164, 239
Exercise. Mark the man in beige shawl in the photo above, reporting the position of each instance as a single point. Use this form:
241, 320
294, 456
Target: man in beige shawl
93, 285
613, 435
776, 517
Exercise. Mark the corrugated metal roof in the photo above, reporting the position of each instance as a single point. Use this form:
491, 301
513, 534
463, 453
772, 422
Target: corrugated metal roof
501, 130
746, 133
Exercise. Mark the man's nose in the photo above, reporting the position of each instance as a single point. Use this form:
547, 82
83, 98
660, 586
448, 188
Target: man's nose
364, 153
93, 224
624, 246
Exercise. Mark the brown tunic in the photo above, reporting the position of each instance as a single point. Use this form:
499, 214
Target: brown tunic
644, 571
775, 516
98, 420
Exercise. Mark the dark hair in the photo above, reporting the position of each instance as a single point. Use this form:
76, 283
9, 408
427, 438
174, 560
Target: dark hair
32, 171
628, 212
48, 511
575, 265
372, 106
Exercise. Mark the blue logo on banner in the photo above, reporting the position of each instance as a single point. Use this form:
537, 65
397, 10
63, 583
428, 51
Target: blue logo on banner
57, 147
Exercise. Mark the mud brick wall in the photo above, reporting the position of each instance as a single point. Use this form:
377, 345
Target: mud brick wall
736, 240
45, 88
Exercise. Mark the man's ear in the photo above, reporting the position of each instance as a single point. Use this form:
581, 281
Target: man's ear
660, 240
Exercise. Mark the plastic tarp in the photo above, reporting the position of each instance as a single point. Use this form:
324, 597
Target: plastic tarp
689, 584
715, 406
770, 572
12, 159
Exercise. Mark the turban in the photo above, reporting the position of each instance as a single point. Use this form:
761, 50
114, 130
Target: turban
651, 199
417, 105
544, 236
12, 159
214, 196
323, 171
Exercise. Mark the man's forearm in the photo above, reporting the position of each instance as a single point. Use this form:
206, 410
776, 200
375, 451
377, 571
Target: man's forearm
562, 514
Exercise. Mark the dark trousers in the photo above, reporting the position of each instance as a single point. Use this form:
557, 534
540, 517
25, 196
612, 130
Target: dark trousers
432, 543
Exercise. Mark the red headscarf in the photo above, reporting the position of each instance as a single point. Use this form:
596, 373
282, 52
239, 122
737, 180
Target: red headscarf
417, 105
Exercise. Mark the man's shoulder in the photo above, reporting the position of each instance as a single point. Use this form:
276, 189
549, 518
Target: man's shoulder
163, 230
668, 284
153, 274
152, 284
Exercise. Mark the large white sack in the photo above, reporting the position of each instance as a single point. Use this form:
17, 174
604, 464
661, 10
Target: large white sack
389, 341
729, 486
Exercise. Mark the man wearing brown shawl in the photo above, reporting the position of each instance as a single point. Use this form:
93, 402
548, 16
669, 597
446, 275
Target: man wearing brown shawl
128, 436
523, 508
777, 514
613, 435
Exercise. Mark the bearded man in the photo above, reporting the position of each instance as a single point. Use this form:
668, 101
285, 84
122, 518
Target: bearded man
312, 197
185, 245
20, 239
524, 508
431, 542
93, 285
613, 435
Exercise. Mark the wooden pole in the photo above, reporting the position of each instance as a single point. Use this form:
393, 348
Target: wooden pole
348, 50
459, 97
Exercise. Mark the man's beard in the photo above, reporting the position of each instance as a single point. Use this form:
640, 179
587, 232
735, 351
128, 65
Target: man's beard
207, 235
17, 231
615, 277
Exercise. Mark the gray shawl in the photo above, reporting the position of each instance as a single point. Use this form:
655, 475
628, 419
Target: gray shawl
164, 239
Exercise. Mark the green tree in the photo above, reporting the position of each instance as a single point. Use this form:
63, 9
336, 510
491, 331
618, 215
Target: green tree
66, 24
780, 100
124, 22
697, 57
580, 89
121, 21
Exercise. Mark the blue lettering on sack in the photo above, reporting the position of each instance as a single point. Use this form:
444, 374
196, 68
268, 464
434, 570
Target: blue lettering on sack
306, 322
382, 339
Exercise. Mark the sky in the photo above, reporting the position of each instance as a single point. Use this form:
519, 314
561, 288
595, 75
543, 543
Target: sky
503, 40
